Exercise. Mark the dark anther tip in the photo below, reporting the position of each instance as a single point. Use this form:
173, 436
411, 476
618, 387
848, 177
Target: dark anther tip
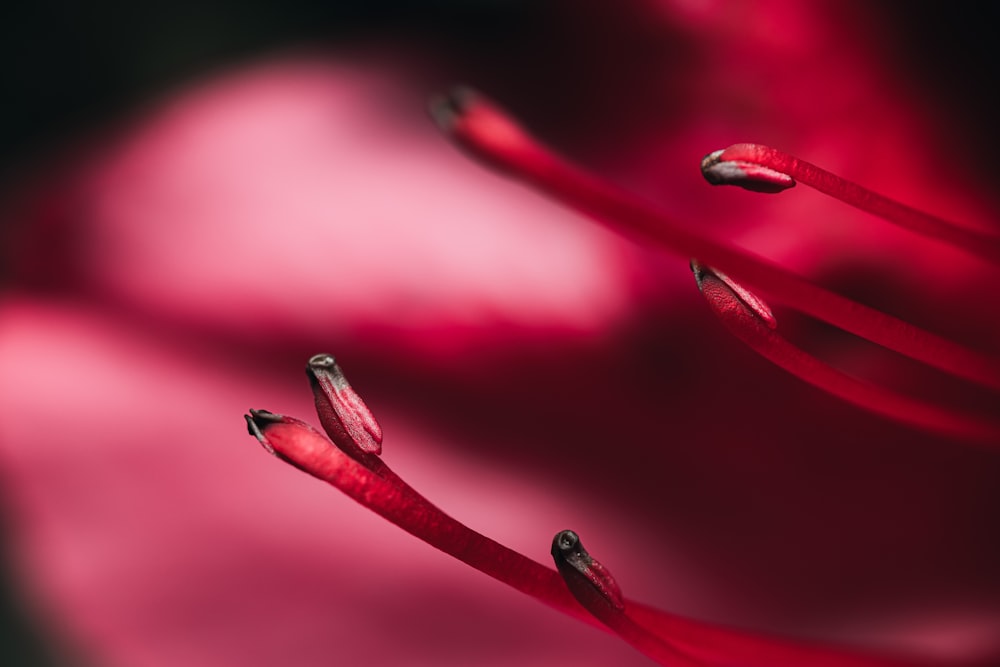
257, 423
252, 427
448, 107
265, 416
258, 420
700, 271
710, 160
322, 361
565, 541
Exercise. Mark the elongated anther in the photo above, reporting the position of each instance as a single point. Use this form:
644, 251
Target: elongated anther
583, 574
342, 413
756, 305
747, 175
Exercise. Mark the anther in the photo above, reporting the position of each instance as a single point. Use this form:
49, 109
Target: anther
754, 303
764, 169
344, 416
583, 574
747, 175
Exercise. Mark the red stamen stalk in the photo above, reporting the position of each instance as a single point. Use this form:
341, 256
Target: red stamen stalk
745, 320
764, 169
491, 135
675, 640
299, 444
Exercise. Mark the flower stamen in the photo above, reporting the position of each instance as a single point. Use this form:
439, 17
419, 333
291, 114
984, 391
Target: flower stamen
582, 573
297, 443
749, 319
761, 168
471, 123
748, 299
653, 631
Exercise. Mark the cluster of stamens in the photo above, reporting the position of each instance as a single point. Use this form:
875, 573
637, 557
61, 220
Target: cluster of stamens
349, 455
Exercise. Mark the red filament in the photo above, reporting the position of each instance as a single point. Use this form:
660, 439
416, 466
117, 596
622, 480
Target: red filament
301, 445
470, 120
665, 637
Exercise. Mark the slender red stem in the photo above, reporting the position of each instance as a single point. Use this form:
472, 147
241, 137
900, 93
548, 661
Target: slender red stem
491, 135
757, 167
743, 319
298, 444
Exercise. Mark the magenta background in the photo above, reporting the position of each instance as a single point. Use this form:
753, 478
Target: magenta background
171, 268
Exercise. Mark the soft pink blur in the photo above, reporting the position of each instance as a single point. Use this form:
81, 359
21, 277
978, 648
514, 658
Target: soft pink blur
531, 371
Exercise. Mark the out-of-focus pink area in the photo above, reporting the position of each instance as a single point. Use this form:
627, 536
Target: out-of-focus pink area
285, 194
160, 533
531, 371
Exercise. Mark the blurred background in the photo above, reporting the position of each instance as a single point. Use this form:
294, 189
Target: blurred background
72, 68
198, 198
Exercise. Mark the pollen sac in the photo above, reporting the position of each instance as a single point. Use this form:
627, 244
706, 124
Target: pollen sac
584, 575
704, 274
344, 416
747, 175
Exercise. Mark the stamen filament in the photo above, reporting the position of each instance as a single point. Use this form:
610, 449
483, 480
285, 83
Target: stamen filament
490, 134
741, 165
747, 324
298, 444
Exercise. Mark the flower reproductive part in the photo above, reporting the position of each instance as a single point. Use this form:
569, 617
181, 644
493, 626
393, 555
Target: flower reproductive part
579, 586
